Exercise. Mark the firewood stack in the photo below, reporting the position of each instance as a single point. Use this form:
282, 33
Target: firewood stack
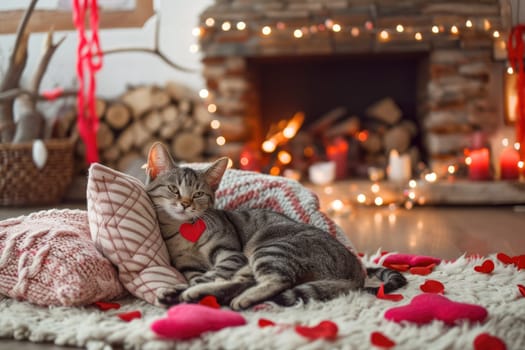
129, 125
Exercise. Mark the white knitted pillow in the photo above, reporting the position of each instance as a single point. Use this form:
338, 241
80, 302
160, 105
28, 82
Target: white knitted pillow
48, 258
124, 227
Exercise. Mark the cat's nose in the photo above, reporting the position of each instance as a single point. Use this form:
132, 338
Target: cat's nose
185, 203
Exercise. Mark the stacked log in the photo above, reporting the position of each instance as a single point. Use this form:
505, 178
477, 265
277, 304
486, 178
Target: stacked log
131, 123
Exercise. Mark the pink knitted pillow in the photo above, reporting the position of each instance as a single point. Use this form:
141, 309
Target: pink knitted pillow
48, 258
125, 229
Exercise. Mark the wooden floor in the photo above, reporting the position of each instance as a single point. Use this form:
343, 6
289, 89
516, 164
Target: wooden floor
445, 232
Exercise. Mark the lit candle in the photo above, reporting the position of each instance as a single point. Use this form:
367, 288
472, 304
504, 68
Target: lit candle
508, 162
399, 167
479, 168
337, 152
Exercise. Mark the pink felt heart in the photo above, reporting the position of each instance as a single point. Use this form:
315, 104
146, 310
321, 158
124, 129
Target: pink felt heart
324, 330
186, 321
410, 259
192, 231
427, 307
432, 286
486, 267
485, 341
380, 340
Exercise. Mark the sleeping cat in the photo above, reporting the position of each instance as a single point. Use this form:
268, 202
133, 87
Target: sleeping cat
245, 257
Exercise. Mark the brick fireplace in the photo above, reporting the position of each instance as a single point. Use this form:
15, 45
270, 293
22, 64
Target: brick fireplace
437, 61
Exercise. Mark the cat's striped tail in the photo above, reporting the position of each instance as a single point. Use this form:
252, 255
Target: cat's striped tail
323, 290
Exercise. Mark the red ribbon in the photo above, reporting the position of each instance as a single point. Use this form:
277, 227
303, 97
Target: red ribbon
515, 51
89, 61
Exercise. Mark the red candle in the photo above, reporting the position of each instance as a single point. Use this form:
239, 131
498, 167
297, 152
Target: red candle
508, 163
337, 152
479, 168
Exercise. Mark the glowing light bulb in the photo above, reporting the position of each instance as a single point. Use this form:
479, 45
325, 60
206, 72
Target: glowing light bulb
221, 140
505, 142
196, 31
241, 25
298, 33
384, 35
435, 29
468, 160
431, 177
354, 31
412, 183
212, 108
215, 124
336, 28
378, 201
517, 146
284, 157
203, 93
510, 70
361, 198
418, 36
451, 169
400, 28
496, 34
268, 146
210, 22
520, 164
375, 188
337, 205
266, 30
454, 30
244, 161
226, 26
468, 23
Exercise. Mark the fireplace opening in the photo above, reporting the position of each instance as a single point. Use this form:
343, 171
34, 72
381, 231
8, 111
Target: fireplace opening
349, 84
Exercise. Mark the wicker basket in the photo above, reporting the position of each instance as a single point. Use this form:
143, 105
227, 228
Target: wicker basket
22, 183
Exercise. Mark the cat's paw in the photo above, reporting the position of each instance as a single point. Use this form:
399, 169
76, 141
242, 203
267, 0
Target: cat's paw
171, 296
241, 303
201, 279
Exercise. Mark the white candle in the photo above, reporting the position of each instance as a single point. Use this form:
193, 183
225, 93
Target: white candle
399, 167
322, 173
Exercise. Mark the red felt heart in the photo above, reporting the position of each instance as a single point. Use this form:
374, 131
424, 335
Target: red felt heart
424, 308
521, 287
263, 322
379, 339
211, 301
485, 341
105, 306
432, 286
422, 270
192, 231
186, 321
398, 267
411, 260
128, 316
381, 294
504, 258
324, 330
486, 267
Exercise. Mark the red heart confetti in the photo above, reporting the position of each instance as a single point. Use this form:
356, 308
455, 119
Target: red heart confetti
105, 306
432, 286
519, 261
485, 341
192, 231
128, 316
486, 267
263, 322
521, 287
380, 340
381, 294
324, 330
422, 270
504, 258
211, 301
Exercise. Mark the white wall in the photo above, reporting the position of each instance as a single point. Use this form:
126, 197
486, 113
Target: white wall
178, 18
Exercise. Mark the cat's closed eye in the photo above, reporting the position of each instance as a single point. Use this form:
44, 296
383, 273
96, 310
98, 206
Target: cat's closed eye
198, 194
173, 189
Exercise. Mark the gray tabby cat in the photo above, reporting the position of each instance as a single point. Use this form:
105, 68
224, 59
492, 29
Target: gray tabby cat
245, 257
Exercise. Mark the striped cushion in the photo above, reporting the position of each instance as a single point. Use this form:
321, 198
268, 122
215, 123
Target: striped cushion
124, 227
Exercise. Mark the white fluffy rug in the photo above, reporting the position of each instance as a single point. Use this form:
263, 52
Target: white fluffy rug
357, 316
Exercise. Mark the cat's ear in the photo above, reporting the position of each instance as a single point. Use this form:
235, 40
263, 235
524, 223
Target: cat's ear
215, 171
159, 161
